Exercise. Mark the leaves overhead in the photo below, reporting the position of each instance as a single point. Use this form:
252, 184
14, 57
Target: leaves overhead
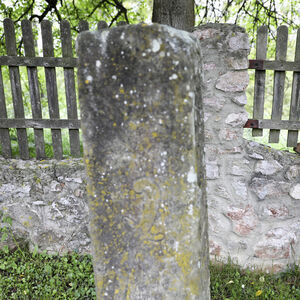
247, 13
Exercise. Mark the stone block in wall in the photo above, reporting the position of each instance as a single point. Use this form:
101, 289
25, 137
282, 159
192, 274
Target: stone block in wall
216, 103
268, 167
244, 219
212, 170
240, 188
228, 134
293, 173
240, 168
238, 41
266, 188
295, 191
237, 119
237, 63
276, 244
240, 100
233, 81
214, 249
274, 211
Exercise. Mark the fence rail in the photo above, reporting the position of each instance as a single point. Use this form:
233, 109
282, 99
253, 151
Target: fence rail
280, 66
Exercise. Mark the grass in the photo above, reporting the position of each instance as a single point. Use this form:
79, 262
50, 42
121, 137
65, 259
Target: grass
229, 281
25, 275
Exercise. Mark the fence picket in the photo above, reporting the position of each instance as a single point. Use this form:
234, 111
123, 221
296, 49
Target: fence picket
279, 80
67, 51
260, 78
4, 132
51, 85
16, 89
33, 88
295, 98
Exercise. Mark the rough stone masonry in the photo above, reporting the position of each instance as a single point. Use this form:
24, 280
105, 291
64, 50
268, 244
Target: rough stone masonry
142, 124
253, 190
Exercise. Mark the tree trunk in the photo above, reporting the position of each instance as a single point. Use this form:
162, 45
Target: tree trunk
176, 13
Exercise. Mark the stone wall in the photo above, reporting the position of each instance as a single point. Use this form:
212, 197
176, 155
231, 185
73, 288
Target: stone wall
253, 190
47, 201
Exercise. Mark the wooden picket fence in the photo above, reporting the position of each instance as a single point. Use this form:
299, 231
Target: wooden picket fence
69, 63
280, 66
50, 63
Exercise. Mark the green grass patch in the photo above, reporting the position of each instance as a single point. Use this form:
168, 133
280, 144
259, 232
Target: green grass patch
229, 281
25, 275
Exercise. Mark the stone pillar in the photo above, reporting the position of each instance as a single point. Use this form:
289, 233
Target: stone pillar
141, 113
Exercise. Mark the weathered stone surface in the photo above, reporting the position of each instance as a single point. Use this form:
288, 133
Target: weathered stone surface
295, 191
256, 156
142, 121
240, 188
237, 120
46, 203
216, 103
293, 172
233, 81
42, 201
214, 249
228, 134
240, 99
266, 188
266, 167
239, 41
244, 220
238, 63
242, 169
277, 244
277, 211
212, 170
205, 34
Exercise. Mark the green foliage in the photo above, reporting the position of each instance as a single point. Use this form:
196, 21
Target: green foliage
228, 281
42, 276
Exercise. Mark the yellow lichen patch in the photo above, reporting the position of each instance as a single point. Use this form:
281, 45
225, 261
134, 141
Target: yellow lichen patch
154, 229
159, 237
132, 165
26, 223
132, 194
154, 134
99, 284
124, 258
183, 260
148, 143
132, 126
